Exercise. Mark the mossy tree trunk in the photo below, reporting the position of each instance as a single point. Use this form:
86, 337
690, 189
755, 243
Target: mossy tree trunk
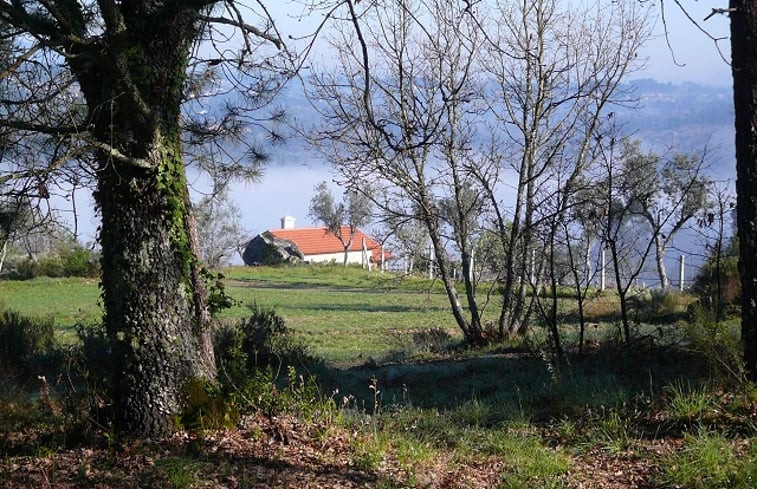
155, 300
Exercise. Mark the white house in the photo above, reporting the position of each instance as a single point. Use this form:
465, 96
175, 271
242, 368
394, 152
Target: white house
318, 245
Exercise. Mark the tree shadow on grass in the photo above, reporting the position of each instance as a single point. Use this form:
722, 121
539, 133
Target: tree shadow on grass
608, 376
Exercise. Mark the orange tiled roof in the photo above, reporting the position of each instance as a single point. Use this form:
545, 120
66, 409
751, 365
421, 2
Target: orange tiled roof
316, 241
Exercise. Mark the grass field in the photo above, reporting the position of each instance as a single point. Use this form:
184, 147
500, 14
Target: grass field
668, 410
344, 315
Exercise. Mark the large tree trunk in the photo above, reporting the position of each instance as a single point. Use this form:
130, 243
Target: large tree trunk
744, 68
155, 298
148, 292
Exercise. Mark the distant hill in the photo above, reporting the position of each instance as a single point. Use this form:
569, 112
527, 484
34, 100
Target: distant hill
684, 117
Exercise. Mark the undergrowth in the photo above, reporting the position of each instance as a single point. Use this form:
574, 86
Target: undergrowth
533, 415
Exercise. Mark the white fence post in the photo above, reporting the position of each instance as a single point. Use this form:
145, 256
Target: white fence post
430, 262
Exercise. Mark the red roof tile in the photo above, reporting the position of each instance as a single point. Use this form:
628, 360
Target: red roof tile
316, 241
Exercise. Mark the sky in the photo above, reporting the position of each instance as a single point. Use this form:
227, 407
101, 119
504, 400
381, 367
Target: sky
692, 55
287, 185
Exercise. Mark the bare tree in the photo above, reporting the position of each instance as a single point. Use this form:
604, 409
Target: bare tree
397, 116
558, 69
341, 219
219, 229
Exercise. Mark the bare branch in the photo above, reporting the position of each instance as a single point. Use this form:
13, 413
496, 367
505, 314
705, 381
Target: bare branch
239, 23
117, 155
21, 59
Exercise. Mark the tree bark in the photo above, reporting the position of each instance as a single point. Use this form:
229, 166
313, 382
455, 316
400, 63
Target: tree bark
148, 294
153, 291
660, 261
744, 69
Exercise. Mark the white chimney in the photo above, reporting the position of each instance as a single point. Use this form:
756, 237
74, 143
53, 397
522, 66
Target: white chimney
287, 222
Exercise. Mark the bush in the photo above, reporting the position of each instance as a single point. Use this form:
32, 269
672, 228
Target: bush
27, 344
435, 340
718, 342
70, 259
95, 358
263, 340
706, 282
660, 306
205, 407
79, 261
709, 460
250, 357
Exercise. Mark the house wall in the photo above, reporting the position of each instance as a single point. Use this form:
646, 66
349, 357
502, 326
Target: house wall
352, 257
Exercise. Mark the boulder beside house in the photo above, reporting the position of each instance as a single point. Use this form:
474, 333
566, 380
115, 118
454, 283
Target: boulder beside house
312, 245
267, 249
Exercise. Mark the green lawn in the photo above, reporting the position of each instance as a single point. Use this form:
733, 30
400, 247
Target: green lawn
665, 415
345, 315
68, 300
345, 324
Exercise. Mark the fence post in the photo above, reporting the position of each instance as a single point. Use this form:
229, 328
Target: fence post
430, 262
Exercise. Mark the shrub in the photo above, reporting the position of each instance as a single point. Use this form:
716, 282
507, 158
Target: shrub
95, 358
726, 273
718, 342
434, 339
70, 259
27, 344
250, 357
79, 261
660, 306
205, 407
709, 460
263, 340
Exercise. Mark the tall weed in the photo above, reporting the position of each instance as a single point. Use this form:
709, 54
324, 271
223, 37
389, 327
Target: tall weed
718, 343
709, 460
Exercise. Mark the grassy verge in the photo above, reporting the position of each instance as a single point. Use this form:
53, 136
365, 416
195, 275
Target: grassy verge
669, 411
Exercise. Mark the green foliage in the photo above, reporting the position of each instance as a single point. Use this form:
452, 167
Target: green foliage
709, 460
205, 408
368, 452
218, 299
666, 305
529, 463
180, 473
250, 357
689, 405
434, 339
68, 259
27, 344
263, 341
79, 261
615, 431
96, 361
